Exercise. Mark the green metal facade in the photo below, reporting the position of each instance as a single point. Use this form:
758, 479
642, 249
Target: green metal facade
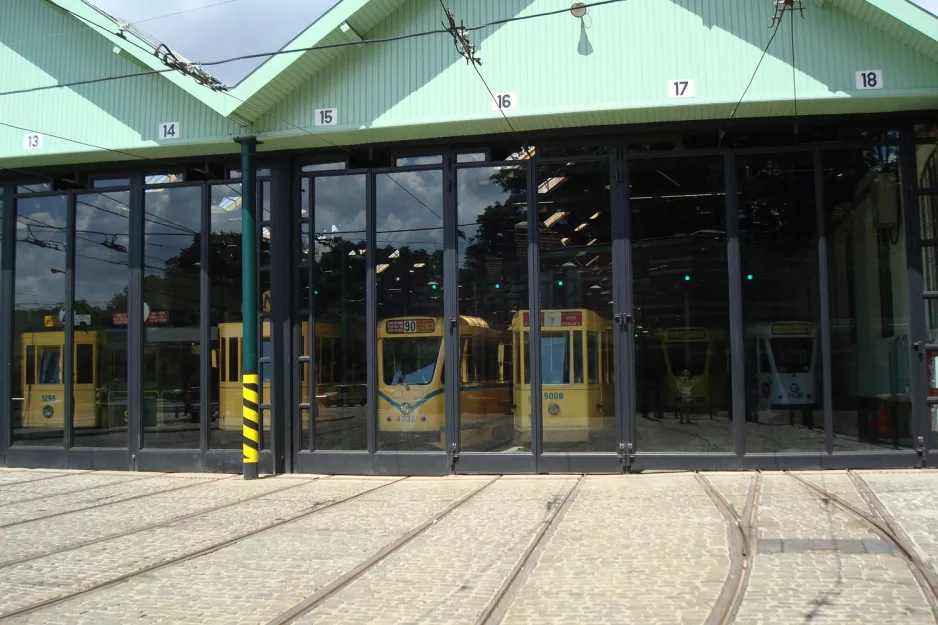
613, 67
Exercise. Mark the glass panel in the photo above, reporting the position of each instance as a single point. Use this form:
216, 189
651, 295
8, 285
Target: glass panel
493, 287
339, 269
681, 309
781, 303
927, 163
225, 272
102, 183
471, 157
102, 276
576, 299
869, 299
409, 268
38, 315
172, 257
414, 161
324, 166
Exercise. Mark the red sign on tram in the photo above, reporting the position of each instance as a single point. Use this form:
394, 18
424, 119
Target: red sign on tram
557, 319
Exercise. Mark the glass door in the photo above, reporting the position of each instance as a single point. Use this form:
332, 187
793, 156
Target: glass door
680, 305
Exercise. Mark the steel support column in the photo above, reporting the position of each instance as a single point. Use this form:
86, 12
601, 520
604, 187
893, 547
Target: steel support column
250, 387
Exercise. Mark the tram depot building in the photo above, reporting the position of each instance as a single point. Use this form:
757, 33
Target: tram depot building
643, 234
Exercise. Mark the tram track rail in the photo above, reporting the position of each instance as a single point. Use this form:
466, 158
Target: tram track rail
742, 544
306, 512
317, 598
151, 526
882, 523
496, 609
193, 484
82, 490
43, 479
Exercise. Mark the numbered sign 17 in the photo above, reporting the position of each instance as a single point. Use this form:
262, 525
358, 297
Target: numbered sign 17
870, 79
326, 117
169, 130
504, 101
681, 88
32, 141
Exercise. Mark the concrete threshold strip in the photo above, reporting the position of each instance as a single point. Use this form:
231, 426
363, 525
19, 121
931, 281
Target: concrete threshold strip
195, 554
742, 540
882, 523
197, 482
151, 526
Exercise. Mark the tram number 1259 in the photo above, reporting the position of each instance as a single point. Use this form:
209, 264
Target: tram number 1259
553, 395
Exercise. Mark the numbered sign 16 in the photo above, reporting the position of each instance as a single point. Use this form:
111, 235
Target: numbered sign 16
169, 130
870, 79
504, 101
327, 117
681, 88
32, 141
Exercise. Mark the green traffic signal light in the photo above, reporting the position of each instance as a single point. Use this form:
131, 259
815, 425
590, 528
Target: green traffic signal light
687, 278
749, 277
497, 285
559, 282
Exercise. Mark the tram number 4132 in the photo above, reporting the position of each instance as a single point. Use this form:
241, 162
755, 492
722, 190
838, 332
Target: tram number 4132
553, 395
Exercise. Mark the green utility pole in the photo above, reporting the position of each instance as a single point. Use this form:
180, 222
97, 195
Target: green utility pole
250, 384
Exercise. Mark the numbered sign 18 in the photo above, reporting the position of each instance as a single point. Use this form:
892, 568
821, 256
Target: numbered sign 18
681, 88
504, 101
327, 117
870, 79
32, 141
169, 130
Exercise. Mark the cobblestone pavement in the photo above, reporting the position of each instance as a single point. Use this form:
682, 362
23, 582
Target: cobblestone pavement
98, 548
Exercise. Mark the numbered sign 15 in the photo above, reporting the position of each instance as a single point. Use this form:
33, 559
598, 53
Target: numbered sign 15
169, 130
870, 79
327, 117
504, 101
32, 141
681, 88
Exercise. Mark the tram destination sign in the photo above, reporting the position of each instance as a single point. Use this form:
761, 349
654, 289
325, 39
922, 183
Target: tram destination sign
557, 319
410, 326
790, 329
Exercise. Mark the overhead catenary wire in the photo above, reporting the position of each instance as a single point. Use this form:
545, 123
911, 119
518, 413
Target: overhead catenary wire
752, 79
244, 57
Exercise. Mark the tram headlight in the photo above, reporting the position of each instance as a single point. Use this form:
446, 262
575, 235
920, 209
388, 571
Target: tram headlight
48, 411
553, 409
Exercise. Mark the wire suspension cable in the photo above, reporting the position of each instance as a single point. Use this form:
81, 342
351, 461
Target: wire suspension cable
752, 79
244, 57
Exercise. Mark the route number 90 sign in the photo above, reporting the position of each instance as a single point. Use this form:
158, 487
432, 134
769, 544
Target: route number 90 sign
410, 326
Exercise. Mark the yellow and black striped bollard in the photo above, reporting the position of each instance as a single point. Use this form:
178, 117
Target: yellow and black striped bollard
251, 428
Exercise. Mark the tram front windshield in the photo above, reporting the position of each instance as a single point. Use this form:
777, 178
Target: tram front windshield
690, 357
410, 360
792, 355
555, 357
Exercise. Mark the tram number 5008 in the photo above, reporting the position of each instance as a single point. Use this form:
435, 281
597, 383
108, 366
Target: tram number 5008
553, 395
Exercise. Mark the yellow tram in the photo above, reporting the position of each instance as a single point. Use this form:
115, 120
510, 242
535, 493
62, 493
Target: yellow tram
42, 361
411, 378
577, 375
696, 370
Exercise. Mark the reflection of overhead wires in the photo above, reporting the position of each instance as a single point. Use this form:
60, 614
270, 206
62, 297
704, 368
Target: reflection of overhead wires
406, 190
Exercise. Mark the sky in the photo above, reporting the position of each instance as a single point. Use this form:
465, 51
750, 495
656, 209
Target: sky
250, 25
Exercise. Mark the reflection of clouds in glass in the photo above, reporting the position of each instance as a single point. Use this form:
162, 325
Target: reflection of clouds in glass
410, 209
40, 248
339, 206
173, 219
476, 191
102, 263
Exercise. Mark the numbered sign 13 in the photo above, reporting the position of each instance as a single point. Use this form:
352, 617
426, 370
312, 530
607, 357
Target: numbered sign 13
327, 117
169, 130
681, 88
870, 79
32, 141
504, 101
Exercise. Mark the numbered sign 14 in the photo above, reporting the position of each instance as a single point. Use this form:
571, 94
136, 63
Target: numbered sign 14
870, 79
32, 141
169, 130
326, 117
504, 101
681, 88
